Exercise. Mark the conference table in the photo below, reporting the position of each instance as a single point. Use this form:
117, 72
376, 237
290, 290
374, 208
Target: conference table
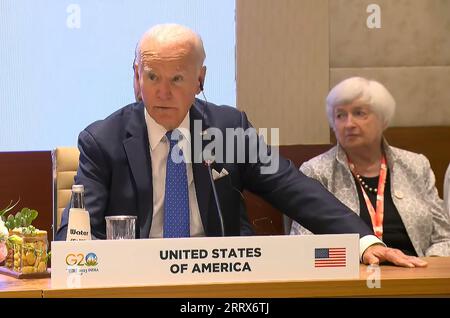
434, 280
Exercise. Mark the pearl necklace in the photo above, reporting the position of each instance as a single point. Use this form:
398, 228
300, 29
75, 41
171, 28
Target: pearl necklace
365, 185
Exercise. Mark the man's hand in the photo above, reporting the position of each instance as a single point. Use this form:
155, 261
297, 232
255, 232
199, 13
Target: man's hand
376, 254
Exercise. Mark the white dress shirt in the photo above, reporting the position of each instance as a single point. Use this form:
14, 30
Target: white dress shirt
159, 149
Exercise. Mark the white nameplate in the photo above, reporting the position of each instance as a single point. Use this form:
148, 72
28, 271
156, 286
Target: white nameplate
103, 263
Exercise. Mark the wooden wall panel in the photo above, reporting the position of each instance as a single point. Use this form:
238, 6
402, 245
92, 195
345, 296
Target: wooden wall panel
412, 33
433, 142
282, 67
28, 176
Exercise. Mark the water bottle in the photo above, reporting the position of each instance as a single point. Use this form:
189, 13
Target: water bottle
77, 199
79, 225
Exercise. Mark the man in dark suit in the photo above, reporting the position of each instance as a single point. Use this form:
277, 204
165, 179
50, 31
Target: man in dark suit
125, 159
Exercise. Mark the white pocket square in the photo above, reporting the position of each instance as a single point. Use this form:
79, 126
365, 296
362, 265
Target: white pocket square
216, 175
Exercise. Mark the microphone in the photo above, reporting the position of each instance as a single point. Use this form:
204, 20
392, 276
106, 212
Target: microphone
208, 163
216, 198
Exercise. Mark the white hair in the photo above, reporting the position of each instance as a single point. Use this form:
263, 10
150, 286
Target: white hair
370, 92
173, 32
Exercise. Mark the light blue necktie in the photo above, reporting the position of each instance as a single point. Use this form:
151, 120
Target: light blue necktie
176, 199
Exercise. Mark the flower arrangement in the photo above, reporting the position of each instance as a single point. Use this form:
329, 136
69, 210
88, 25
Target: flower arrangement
22, 246
4, 233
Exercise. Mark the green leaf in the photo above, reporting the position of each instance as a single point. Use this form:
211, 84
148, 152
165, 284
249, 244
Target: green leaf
34, 215
9, 223
24, 216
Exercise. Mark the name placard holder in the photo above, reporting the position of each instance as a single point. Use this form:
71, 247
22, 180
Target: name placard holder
110, 263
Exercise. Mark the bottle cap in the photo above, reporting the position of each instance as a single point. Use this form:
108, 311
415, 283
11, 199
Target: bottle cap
78, 188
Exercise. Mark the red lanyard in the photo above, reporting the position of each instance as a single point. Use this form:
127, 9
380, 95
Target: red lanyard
377, 215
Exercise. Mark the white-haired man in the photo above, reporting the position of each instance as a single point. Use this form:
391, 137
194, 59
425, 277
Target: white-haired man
127, 164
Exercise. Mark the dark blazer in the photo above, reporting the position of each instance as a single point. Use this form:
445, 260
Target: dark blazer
115, 169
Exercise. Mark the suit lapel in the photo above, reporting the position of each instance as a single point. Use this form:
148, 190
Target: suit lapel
199, 169
136, 147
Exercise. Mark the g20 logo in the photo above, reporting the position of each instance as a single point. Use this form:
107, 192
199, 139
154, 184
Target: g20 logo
81, 260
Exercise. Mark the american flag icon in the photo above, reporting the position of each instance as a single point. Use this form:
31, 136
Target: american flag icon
330, 257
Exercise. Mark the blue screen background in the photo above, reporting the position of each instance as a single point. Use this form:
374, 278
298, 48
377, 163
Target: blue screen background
65, 64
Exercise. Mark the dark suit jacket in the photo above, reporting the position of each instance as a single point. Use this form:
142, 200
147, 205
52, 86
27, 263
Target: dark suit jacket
115, 169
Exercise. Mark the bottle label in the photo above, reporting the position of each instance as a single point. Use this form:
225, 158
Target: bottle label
79, 226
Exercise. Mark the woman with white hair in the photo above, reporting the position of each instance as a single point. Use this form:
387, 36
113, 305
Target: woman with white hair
393, 190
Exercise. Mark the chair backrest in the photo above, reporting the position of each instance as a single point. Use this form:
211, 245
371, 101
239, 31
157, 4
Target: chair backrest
65, 165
